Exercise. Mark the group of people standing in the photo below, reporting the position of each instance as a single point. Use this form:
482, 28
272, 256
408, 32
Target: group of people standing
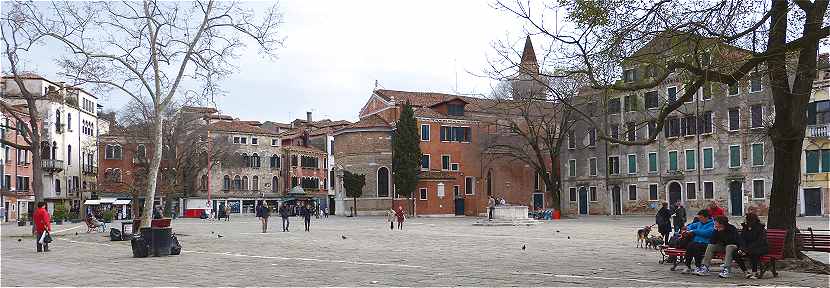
491, 205
709, 233
263, 212
395, 215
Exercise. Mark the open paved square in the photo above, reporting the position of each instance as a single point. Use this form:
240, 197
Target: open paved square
591, 251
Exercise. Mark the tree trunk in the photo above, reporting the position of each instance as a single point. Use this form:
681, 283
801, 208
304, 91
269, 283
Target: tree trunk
354, 207
787, 170
152, 173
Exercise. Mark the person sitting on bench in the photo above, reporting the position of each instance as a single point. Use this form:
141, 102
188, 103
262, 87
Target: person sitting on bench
726, 240
754, 237
700, 232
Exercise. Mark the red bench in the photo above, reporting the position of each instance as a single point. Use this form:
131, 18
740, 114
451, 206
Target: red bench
775, 241
811, 241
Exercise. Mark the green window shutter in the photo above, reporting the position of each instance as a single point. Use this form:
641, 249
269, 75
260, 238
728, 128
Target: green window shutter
708, 158
652, 162
690, 160
812, 161
758, 154
734, 156
673, 161
632, 164
825, 160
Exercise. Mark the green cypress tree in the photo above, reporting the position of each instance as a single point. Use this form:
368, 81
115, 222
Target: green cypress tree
406, 154
353, 183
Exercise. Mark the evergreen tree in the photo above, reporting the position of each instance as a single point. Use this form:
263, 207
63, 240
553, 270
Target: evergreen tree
406, 154
353, 183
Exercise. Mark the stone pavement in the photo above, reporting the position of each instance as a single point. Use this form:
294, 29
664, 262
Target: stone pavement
591, 251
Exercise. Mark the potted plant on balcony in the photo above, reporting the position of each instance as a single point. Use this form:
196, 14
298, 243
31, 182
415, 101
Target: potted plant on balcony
22, 220
59, 215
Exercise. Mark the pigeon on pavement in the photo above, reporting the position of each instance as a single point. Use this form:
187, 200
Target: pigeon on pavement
344, 237
219, 235
523, 247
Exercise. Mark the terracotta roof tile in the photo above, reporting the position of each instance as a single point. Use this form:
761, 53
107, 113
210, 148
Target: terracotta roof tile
371, 121
238, 126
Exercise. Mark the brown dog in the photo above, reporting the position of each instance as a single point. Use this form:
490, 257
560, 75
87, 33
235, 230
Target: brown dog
642, 236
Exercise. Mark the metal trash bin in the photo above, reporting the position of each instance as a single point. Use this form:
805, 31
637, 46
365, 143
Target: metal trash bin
161, 241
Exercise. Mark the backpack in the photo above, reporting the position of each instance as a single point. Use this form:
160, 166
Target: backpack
175, 247
140, 247
116, 235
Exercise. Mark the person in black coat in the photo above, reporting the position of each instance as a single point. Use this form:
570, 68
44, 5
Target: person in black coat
679, 216
754, 238
305, 211
663, 220
284, 213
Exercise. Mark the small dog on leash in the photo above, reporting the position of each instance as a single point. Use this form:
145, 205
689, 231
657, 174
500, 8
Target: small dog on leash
642, 236
654, 242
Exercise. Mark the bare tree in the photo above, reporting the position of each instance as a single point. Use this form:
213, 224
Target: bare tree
149, 50
696, 42
17, 41
530, 129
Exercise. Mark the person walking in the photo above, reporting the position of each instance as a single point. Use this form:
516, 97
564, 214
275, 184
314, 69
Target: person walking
227, 212
390, 217
43, 225
284, 215
400, 216
663, 220
491, 205
679, 216
305, 211
264, 213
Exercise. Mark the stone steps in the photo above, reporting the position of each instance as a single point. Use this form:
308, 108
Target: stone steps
507, 222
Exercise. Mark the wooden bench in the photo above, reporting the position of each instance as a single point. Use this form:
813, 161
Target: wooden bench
775, 241
810, 241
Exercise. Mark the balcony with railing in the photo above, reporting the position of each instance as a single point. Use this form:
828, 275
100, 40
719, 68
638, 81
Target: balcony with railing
52, 165
89, 169
818, 131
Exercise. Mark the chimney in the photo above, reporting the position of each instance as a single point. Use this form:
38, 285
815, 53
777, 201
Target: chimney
308, 117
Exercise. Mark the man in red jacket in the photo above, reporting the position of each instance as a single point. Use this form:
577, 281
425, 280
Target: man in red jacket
715, 210
43, 224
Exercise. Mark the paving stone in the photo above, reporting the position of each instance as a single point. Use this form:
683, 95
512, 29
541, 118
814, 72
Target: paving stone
429, 252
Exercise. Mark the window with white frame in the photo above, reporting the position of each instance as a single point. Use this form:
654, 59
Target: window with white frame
734, 156
275, 142
632, 192
572, 194
758, 154
572, 167
425, 162
652, 162
424, 132
671, 94
691, 190
708, 158
469, 185
571, 140
422, 192
734, 89
652, 191
755, 83
593, 193
691, 159
632, 164
734, 119
708, 190
592, 166
614, 165
756, 116
445, 162
758, 189
254, 141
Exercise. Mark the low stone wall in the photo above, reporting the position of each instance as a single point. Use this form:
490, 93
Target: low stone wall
510, 212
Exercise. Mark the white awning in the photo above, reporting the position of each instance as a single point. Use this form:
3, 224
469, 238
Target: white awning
92, 202
108, 200
121, 202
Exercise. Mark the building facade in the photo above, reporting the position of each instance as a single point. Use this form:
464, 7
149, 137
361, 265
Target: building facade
814, 195
713, 148
70, 126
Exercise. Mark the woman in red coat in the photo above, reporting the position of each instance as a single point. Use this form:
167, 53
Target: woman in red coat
43, 224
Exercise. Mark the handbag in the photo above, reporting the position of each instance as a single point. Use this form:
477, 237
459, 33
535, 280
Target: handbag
45, 238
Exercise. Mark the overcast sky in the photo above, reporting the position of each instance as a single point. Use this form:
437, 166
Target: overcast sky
335, 50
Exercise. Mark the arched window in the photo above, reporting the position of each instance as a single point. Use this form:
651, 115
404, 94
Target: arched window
68, 154
244, 182
383, 182
54, 150
116, 175
255, 183
246, 160
275, 161
108, 174
237, 182
203, 182
58, 121
274, 184
58, 186
117, 151
140, 151
226, 183
255, 161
